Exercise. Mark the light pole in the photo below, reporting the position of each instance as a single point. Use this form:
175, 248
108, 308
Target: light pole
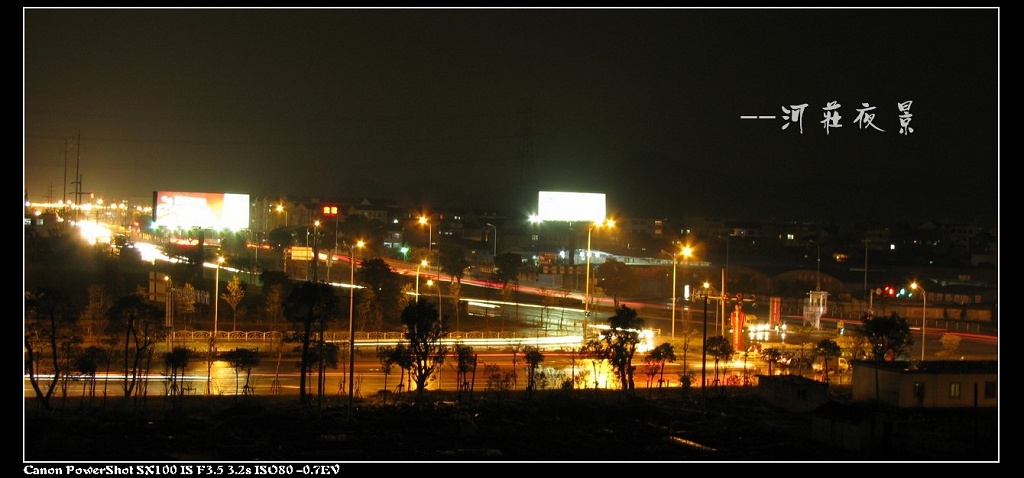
686, 254
213, 338
422, 263
170, 311
495, 239
430, 234
351, 323
704, 351
586, 291
284, 255
924, 314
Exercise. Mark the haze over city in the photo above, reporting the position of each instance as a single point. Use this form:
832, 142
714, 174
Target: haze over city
670, 112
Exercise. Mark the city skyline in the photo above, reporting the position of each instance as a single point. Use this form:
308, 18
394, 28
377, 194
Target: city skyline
664, 110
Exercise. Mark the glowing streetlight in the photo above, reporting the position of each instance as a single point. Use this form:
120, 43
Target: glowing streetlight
686, 252
422, 263
430, 233
924, 314
586, 292
351, 323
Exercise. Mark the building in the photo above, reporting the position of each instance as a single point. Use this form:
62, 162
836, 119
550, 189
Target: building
929, 384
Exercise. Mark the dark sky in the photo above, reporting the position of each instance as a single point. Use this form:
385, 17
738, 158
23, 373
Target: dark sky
485, 107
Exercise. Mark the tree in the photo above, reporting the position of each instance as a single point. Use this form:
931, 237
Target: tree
234, 295
826, 348
465, 363
386, 357
87, 363
658, 356
616, 279
140, 324
424, 329
50, 323
310, 304
176, 362
507, 266
454, 264
889, 338
771, 356
720, 348
620, 341
533, 358
378, 276
950, 345
243, 359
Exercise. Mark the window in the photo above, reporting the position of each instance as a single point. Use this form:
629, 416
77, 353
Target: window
919, 391
954, 390
990, 390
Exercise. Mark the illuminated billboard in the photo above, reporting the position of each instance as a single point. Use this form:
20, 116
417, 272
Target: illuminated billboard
174, 209
568, 206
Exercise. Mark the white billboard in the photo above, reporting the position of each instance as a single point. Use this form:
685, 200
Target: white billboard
174, 209
569, 206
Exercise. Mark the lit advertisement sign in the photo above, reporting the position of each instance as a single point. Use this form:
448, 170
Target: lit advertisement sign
173, 209
568, 206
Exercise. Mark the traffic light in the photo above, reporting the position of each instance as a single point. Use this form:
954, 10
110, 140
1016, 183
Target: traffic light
890, 291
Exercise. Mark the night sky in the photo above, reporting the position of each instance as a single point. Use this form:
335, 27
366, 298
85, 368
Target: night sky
485, 107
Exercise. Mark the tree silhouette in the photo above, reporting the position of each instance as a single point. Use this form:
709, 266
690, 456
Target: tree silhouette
310, 304
616, 279
826, 348
771, 356
620, 342
243, 359
140, 324
720, 348
533, 358
50, 322
424, 329
658, 356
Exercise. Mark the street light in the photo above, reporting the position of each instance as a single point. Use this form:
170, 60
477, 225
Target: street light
495, 239
430, 234
686, 254
213, 338
422, 263
351, 323
924, 314
586, 292
704, 351
169, 291
284, 255
280, 208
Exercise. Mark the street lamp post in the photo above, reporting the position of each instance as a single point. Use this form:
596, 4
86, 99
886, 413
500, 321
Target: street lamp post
284, 255
686, 254
430, 234
169, 290
422, 263
924, 314
351, 323
495, 239
704, 351
586, 291
213, 338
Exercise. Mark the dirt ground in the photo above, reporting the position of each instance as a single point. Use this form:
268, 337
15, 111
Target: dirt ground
551, 426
